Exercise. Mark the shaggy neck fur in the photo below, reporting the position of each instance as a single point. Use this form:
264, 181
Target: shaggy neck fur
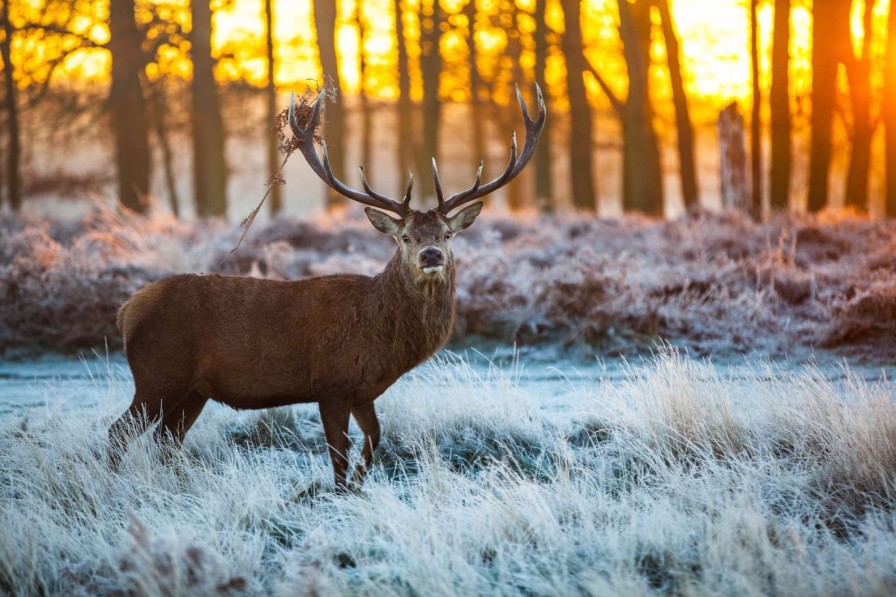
422, 306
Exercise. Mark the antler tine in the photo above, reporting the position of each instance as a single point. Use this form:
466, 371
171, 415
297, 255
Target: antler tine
305, 137
435, 175
406, 202
367, 188
516, 164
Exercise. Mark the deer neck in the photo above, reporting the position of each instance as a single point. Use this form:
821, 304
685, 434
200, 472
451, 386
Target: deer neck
422, 310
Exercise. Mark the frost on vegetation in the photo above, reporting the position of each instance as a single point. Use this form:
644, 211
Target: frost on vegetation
710, 283
678, 479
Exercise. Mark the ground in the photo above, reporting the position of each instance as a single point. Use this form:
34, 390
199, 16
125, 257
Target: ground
695, 407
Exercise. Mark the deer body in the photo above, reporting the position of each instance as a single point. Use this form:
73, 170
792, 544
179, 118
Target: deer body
339, 341
252, 343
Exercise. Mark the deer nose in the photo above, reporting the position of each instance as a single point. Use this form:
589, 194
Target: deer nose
431, 257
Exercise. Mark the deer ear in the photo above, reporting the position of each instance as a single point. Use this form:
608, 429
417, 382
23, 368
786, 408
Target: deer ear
464, 217
381, 221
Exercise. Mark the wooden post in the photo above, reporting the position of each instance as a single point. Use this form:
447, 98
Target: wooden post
733, 159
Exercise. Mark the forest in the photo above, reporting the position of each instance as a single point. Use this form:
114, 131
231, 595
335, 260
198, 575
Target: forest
171, 93
664, 365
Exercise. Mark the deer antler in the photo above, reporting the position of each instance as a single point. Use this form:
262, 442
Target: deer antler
305, 137
516, 164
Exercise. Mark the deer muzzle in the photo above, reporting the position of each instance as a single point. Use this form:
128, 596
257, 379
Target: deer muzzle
431, 260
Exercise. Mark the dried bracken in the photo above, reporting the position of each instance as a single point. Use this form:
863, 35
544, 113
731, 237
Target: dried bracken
714, 283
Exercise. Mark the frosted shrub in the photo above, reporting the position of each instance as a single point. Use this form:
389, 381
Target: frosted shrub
709, 283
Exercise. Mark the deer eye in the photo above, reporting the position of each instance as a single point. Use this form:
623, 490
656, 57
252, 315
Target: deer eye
447, 235
405, 238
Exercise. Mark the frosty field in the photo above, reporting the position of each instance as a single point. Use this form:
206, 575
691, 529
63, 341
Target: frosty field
665, 475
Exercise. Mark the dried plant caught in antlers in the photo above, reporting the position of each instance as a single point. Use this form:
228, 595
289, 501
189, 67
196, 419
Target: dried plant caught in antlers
287, 144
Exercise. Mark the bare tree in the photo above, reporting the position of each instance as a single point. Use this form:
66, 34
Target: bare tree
584, 194
544, 197
830, 39
755, 117
13, 147
858, 73
276, 196
779, 100
209, 165
889, 113
404, 145
127, 106
686, 163
642, 180
431, 70
366, 116
159, 99
476, 86
325, 25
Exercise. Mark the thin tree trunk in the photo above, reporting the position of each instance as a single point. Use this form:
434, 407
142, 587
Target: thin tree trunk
858, 71
685, 137
830, 39
431, 69
513, 189
478, 118
13, 148
276, 196
325, 25
755, 117
127, 107
544, 197
209, 165
889, 113
366, 117
159, 110
405, 146
642, 170
584, 194
779, 100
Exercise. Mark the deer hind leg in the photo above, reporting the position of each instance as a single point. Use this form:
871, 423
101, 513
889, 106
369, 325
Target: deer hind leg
365, 416
143, 412
334, 414
178, 420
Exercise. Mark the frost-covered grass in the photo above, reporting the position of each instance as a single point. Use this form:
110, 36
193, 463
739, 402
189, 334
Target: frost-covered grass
711, 283
675, 479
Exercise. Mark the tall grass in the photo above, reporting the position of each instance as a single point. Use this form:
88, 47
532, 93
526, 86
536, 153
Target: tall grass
676, 479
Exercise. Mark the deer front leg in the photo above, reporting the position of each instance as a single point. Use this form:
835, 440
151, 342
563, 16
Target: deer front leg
334, 414
365, 415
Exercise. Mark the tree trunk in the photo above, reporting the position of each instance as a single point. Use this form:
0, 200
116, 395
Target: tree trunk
514, 189
477, 114
127, 107
889, 113
732, 158
686, 163
366, 117
276, 197
779, 100
159, 102
13, 148
325, 25
642, 170
209, 165
755, 118
858, 71
830, 41
580, 135
544, 197
405, 145
431, 69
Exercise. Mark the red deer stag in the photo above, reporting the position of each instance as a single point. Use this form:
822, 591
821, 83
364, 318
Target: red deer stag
336, 340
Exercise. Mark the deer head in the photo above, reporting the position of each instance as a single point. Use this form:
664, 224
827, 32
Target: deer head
424, 238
